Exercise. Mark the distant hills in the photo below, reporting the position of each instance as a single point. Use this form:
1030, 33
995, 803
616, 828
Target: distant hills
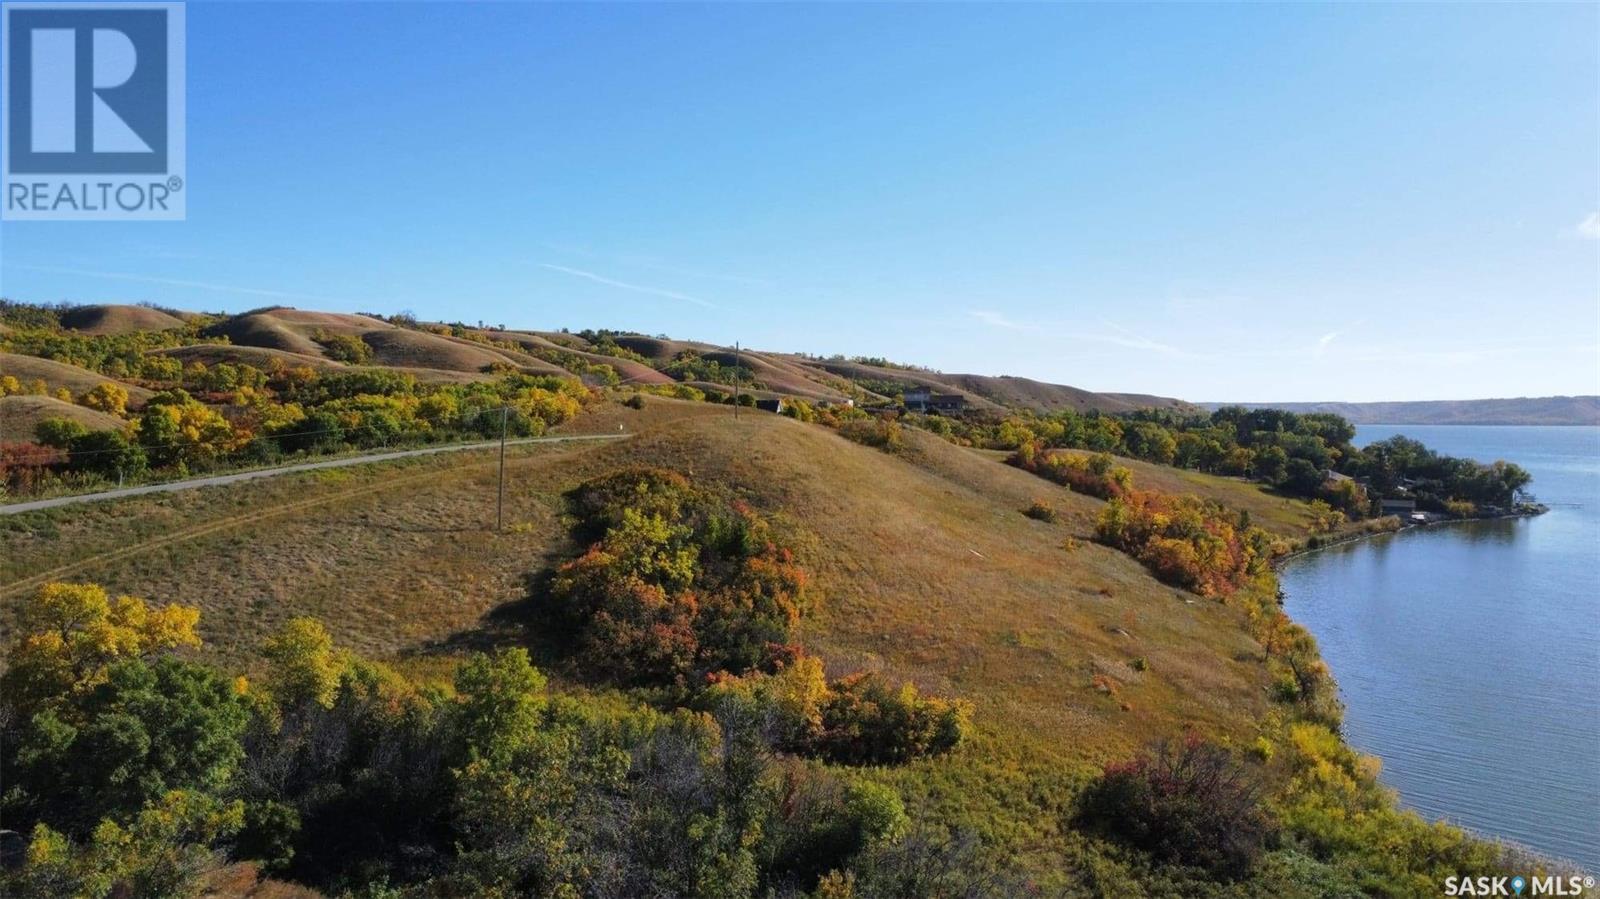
1535, 410
435, 352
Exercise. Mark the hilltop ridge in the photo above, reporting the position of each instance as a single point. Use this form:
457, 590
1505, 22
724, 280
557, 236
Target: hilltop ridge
440, 351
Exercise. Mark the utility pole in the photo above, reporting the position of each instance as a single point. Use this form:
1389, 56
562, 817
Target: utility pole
500, 506
738, 383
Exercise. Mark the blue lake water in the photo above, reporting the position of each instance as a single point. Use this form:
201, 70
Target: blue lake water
1468, 655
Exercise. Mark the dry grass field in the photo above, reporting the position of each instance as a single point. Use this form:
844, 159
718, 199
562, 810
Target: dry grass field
56, 375
20, 414
924, 567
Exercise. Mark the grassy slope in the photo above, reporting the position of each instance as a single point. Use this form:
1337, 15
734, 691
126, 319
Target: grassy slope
1279, 514
110, 319
533, 342
924, 565
59, 374
19, 415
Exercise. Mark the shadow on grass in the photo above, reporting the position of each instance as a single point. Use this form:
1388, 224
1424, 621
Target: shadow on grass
527, 622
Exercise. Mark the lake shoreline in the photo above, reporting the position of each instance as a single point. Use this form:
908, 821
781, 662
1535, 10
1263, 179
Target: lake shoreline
1532, 510
1502, 747
1535, 858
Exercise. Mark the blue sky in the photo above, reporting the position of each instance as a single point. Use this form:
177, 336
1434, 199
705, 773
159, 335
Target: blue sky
1248, 202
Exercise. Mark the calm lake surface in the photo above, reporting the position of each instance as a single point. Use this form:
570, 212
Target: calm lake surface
1468, 655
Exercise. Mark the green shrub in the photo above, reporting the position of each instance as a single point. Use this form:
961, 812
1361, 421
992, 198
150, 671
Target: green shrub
1040, 510
875, 432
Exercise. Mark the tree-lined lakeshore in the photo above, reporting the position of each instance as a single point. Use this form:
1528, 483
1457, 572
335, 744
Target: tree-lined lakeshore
792, 637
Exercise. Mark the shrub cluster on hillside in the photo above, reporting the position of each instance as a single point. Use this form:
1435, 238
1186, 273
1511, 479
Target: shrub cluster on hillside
1189, 802
855, 720
1196, 544
675, 587
1094, 475
683, 591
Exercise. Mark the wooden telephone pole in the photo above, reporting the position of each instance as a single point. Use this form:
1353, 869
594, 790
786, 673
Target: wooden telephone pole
500, 506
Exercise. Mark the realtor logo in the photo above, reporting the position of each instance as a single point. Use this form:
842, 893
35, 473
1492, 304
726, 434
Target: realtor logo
93, 110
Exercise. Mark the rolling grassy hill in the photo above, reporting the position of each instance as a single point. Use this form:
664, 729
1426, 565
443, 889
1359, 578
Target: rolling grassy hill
922, 562
20, 414
926, 568
112, 319
435, 353
57, 375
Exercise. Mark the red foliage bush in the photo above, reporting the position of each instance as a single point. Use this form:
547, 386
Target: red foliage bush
1191, 803
23, 464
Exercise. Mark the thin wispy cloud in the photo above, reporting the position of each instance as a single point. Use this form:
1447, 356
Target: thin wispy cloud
624, 285
1589, 228
1134, 341
698, 274
177, 282
1324, 341
655, 264
995, 320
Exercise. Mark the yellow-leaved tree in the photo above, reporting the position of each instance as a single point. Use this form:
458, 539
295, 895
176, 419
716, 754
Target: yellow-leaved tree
69, 633
106, 397
305, 665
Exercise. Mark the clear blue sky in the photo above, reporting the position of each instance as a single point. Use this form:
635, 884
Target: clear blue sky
1244, 202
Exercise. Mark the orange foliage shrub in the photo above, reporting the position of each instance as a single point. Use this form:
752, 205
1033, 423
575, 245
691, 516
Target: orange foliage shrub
1185, 541
677, 586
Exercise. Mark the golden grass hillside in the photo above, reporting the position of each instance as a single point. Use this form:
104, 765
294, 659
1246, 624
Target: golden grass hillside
56, 375
113, 319
291, 330
924, 565
420, 349
535, 343
234, 354
19, 415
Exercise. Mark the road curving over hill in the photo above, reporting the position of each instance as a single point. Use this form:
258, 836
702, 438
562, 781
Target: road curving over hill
224, 479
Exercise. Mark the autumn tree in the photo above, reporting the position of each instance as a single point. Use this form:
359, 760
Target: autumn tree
174, 428
106, 397
305, 667
70, 633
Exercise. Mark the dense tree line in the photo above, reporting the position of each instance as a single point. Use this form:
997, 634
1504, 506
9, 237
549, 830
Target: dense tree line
1291, 452
134, 771
229, 414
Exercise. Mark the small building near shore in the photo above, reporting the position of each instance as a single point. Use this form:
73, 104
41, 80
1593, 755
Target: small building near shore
1397, 506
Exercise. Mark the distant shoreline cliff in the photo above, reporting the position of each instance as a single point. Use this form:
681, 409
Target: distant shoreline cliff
1542, 410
